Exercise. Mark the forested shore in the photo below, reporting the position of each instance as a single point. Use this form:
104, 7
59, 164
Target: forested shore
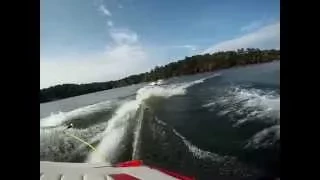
187, 66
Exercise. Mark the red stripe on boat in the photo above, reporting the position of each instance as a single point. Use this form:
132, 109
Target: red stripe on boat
122, 177
136, 163
133, 163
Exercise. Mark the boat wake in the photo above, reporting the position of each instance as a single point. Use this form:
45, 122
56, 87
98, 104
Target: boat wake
110, 135
244, 105
118, 125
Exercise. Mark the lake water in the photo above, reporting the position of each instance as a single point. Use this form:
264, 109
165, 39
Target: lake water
219, 125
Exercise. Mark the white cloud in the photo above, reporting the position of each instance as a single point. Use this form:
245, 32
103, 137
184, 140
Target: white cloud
123, 36
266, 37
117, 62
120, 6
191, 47
252, 26
187, 46
104, 10
110, 23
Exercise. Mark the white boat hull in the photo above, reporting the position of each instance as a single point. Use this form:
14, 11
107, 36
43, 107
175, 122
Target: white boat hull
101, 171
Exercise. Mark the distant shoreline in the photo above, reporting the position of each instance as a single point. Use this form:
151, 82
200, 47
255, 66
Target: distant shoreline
190, 65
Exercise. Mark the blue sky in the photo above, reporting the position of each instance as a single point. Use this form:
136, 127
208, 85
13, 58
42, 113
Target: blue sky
98, 40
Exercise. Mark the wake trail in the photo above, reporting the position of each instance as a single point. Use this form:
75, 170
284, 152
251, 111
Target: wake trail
196, 151
114, 133
265, 138
137, 134
107, 149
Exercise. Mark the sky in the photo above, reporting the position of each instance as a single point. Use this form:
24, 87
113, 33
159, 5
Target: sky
85, 41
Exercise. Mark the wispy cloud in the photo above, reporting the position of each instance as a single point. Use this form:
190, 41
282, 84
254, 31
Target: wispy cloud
110, 23
187, 46
123, 36
264, 38
252, 26
104, 10
120, 6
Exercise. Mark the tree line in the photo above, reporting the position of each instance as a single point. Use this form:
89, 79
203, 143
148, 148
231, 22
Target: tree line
189, 65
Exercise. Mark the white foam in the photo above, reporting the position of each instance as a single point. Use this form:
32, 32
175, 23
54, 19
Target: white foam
136, 140
252, 104
266, 104
168, 90
56, 145
159, 121
263, 139
159, 91
60, 117
257, 98
199, 153
214, 75
209, 104
114, 133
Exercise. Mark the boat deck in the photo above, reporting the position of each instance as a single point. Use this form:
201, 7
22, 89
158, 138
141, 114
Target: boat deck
102, 171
